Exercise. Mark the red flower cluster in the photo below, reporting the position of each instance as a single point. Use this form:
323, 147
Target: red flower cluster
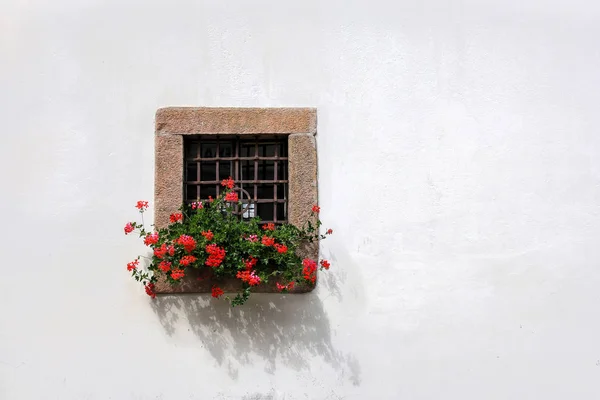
289, 286
164, 266
188, 242
216, 255
128, 228
268, 241
177, 274
161, 251
184, 246
217, 292
310, 270
228, 183
269, 227
231, 197
187, 260
150, 290
250, 263
281, 248
151, 238
132, 265
176, 217
249, 277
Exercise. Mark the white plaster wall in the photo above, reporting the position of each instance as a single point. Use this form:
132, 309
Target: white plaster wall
458, 155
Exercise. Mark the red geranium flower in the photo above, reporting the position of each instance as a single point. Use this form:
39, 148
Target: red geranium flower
310, 270
188, 242
281, 287
329, 231
269, 227
316, 209
281, 248
171, 250
197, 204
141, 205
249, 277
208, 235
325, 264
161, 251
268, 241
231, 197
176, 217
132, 265
129, 228
228, 183
177, 274
250, 263
164, 266
151, 238
217, 292
150, 290
187, 260
216, 255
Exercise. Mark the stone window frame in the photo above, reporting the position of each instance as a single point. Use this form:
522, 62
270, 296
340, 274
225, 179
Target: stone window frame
173, 123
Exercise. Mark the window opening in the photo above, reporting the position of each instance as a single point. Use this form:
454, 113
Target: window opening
257, 163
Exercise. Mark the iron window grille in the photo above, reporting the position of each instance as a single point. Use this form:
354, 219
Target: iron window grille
257, 163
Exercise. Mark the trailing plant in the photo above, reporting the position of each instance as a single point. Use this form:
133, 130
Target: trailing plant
213, 235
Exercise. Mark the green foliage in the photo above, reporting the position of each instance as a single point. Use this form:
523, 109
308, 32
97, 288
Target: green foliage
241, 249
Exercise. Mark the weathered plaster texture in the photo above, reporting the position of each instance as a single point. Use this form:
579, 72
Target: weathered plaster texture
171, 123
458, 152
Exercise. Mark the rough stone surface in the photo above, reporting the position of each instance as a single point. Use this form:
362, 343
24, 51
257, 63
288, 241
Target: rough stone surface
168, 177
303, 194
194, 121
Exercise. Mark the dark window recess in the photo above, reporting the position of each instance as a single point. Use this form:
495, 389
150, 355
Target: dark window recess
258, 165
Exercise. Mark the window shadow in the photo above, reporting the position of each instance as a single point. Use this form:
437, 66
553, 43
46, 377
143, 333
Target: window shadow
288, 329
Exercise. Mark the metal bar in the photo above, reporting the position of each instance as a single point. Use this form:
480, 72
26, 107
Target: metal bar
275, 185
198, 175
261, 201
217, 168
237, 158
246, 181
255, 171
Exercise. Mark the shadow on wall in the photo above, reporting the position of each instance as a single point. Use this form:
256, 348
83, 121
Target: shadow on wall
292, 329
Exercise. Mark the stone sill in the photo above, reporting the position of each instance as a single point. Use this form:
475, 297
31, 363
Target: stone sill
202, 280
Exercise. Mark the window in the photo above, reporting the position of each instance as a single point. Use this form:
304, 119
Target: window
270, 152
258, 165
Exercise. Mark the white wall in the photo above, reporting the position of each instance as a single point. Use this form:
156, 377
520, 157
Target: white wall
458, 161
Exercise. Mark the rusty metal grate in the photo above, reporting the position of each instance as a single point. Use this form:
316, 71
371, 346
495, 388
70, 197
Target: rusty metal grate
258, 164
